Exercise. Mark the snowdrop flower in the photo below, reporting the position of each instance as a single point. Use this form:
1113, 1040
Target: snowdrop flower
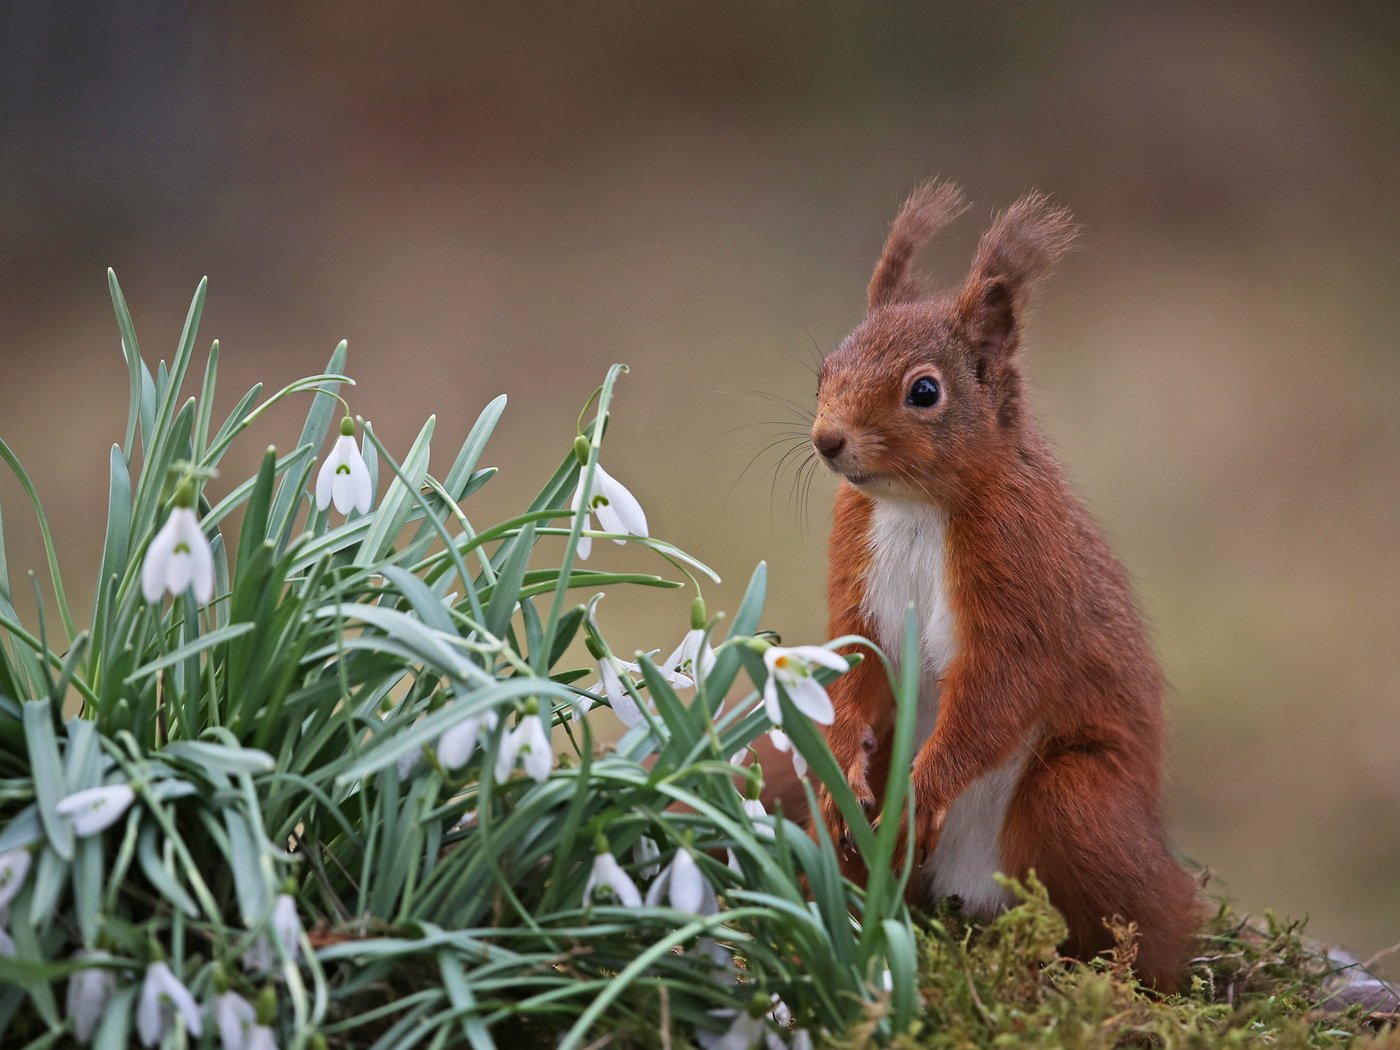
96, 809
692, 659
179, 558
648, 854
780, 742
745, 1033
792, 669
344, 477
750, 1029
456, 745
610, 684
89, 991
14, 866
286, 927
529, 739
261, 1038
162, 996
762, 825
684, 885
607, 874
407, 763
235, 1018
617, 509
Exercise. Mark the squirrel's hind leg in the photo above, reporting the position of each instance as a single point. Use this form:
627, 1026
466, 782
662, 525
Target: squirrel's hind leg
1084, 827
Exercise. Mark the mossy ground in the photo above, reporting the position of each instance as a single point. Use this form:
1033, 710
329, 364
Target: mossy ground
1253, 982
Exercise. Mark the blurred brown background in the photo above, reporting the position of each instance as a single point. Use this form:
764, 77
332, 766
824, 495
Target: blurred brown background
503, 197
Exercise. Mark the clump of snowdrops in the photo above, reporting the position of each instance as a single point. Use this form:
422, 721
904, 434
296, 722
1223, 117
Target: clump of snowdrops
321, 779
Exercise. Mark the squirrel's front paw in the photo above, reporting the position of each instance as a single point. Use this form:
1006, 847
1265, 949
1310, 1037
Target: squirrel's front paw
836, 823
928, 826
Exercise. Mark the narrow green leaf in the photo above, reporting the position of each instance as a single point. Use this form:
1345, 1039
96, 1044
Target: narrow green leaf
191, 648
47, 770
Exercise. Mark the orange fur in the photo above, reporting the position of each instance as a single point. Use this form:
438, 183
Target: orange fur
1051, 656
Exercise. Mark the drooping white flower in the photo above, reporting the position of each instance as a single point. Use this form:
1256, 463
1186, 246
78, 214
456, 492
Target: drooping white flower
408, 762
691, 661
751, 1028
792, 669
162, 997
344, 476
607, 874
456, 745
89, 991
261, 1037
93, 810
235, 1018
617, 509
286, 925
14, 866
744, 1033
780, 742
762, 823
684, 886
529, 741
610, 684
179, 559
647, 854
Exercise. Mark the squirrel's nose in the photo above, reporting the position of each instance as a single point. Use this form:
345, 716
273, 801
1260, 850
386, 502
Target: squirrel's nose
829, 442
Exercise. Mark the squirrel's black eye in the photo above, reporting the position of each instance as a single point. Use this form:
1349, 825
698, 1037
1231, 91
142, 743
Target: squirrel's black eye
924, 392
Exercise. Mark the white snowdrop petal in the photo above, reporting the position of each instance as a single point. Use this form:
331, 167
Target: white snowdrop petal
89, 992
629, 512
816, 654
585, 543
621, 700
456, 745
812, 700
505, 754
770, 701
362, 494
647, 853
687, 883
539, 759
608, 872
202, 568
261, 1037
286, 925
761, 824
234, 1016
325, 478
153, 569
657, 890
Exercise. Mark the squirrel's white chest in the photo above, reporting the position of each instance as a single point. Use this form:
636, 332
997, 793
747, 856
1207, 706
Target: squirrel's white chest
908, 563
908, 554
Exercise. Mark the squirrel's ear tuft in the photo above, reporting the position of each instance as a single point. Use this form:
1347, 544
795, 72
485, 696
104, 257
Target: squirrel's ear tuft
929, 208
1020, 248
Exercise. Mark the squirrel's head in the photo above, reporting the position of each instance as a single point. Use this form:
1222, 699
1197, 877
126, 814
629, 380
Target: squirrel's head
927, 393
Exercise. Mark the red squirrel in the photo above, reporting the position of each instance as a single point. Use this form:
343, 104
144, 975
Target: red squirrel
1040, 724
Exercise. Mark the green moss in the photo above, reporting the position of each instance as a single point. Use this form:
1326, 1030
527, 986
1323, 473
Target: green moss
1251, 983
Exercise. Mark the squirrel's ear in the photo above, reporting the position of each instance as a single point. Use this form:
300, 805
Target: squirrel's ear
1022, 246
929, 208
